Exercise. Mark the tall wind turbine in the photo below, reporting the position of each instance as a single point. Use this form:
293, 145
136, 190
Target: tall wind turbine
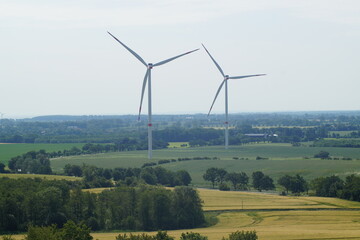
147, 79
226, 78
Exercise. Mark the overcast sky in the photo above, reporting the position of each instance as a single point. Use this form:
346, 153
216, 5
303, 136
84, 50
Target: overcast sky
57, 58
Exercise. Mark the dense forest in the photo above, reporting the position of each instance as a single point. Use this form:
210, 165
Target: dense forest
42, 203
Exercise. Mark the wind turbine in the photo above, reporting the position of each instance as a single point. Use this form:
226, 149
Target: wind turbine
226, 78
147, 79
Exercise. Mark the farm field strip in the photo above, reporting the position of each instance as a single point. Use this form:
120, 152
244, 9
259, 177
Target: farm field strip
8, 151
215, 200
43, 176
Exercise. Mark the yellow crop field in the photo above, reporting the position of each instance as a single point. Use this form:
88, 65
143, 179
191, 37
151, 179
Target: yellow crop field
178, 144
43, 176
279, 225
221, 200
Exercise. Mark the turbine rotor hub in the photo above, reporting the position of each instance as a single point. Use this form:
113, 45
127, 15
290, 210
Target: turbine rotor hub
150, 66
226, 77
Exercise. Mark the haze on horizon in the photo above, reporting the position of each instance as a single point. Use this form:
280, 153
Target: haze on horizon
57, 58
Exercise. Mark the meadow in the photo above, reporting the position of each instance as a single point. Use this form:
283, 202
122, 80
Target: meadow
8, 151
282, 159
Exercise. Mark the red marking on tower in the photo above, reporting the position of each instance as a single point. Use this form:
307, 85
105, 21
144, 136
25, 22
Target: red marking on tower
149, 125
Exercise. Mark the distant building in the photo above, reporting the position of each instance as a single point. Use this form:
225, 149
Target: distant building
260, 135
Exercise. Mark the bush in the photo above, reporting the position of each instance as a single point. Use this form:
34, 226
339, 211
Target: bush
224, 187
70, 231
242, 235
322, 155
163, 161
159, 236
192, 236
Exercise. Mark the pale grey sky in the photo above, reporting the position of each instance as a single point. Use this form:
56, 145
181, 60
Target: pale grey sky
56, 57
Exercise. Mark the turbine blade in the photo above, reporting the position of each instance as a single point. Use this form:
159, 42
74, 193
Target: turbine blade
173, 58
217, 65
217, 93
143, 91
131, 51
246, 76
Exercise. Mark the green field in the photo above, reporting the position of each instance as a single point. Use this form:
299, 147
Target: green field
7, 151
283, 159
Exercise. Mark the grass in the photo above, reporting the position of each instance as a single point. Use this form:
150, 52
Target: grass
8, 151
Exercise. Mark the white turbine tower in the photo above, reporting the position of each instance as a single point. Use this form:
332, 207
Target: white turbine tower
147, 78
226, 78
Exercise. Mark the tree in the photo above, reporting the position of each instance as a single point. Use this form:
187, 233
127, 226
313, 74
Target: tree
211, 175
2, 168
43, 233
75, 231
327, 186
70, 231
187, 207
267, 183
183, 177
351, 189
238, 180
262, 182
221, 174
285, 181
257, 178
322, 155
298, 184
73, 170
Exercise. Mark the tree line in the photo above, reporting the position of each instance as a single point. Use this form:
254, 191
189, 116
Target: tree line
240, 181
38, 202
349, 143
331, 186
94, 177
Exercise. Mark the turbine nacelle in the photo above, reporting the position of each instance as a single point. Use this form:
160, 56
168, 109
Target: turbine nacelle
150, 66
226, 77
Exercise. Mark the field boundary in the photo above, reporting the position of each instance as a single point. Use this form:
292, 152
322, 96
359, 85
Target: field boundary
281, 210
